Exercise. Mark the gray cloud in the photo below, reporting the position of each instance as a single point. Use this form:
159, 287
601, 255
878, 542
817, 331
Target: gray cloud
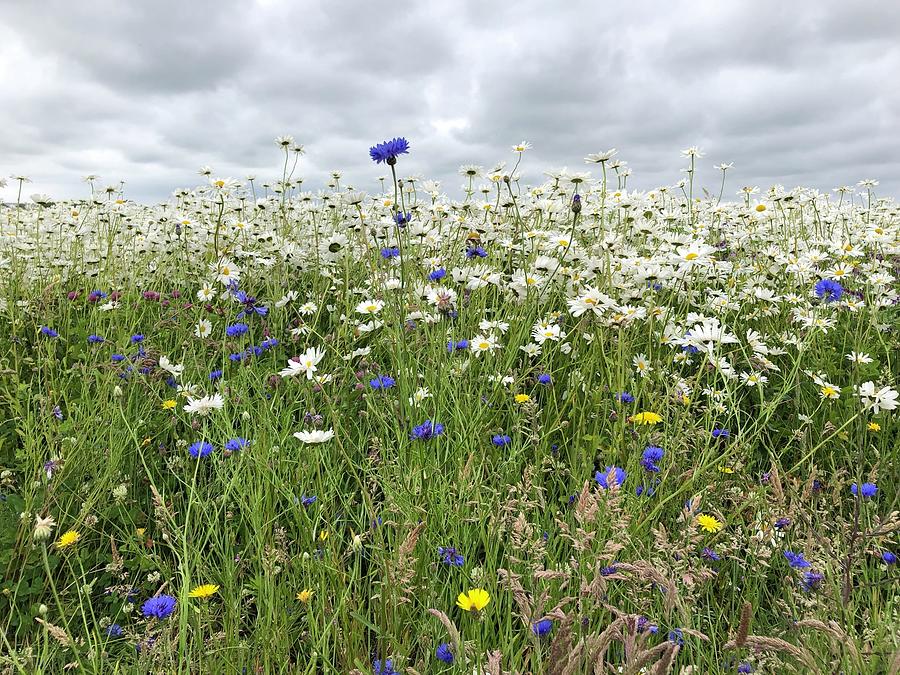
792, 93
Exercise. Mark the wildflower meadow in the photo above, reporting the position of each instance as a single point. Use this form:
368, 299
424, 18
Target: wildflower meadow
556, 426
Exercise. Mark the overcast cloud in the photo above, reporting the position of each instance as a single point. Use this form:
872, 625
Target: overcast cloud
799, 92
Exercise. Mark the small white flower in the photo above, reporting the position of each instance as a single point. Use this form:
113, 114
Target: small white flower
169, 367
420, 395
204, 406
290, 296
753, 379
206, 293
642, 365
203, 328
482, 343
315, 436
877, 400
304, 364
531, 349
370, 307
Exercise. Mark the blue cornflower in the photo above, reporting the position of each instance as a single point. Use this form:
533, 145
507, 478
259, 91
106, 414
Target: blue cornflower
237, 357
796, 560
388, 151
649, 490
618, 475
476, 252
307, 501
888, 557
443, 653
427, 430
643, 624
114, 630
388, 253
720, 434
236, 444
542, 627
200, 449
386, 668
136, 338
401, 219
382, 382
676, 635
457, 346
690, 349
744, 667
782, 523
236, 330
608, 570
625, 397
95, 339
49, 332
652, 455
867, 490
811, 580
116, 358
449, 556
268, 343
709, 554
828, 290
94, 296
160, 606
249, 303
215, 375
501, 439
545, 379
438, 274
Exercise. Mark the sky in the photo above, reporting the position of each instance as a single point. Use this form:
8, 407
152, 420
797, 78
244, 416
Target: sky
799, 92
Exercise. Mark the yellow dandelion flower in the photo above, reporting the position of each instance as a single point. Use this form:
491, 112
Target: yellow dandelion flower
169, 404
323, 535
140, 531
726, 469
522, 398
709, 523
647, 417
473, 601
873, 426
68, 539
304, 595
204, 591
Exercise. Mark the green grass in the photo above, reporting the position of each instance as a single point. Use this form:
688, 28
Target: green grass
536, 531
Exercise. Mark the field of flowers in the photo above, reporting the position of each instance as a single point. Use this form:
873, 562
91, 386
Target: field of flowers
561, 428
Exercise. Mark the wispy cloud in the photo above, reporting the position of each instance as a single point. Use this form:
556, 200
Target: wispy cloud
792, 93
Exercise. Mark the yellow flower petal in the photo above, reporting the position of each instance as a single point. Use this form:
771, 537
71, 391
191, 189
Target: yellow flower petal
204, 591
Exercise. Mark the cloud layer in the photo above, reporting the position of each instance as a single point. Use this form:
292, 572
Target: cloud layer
792, 93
